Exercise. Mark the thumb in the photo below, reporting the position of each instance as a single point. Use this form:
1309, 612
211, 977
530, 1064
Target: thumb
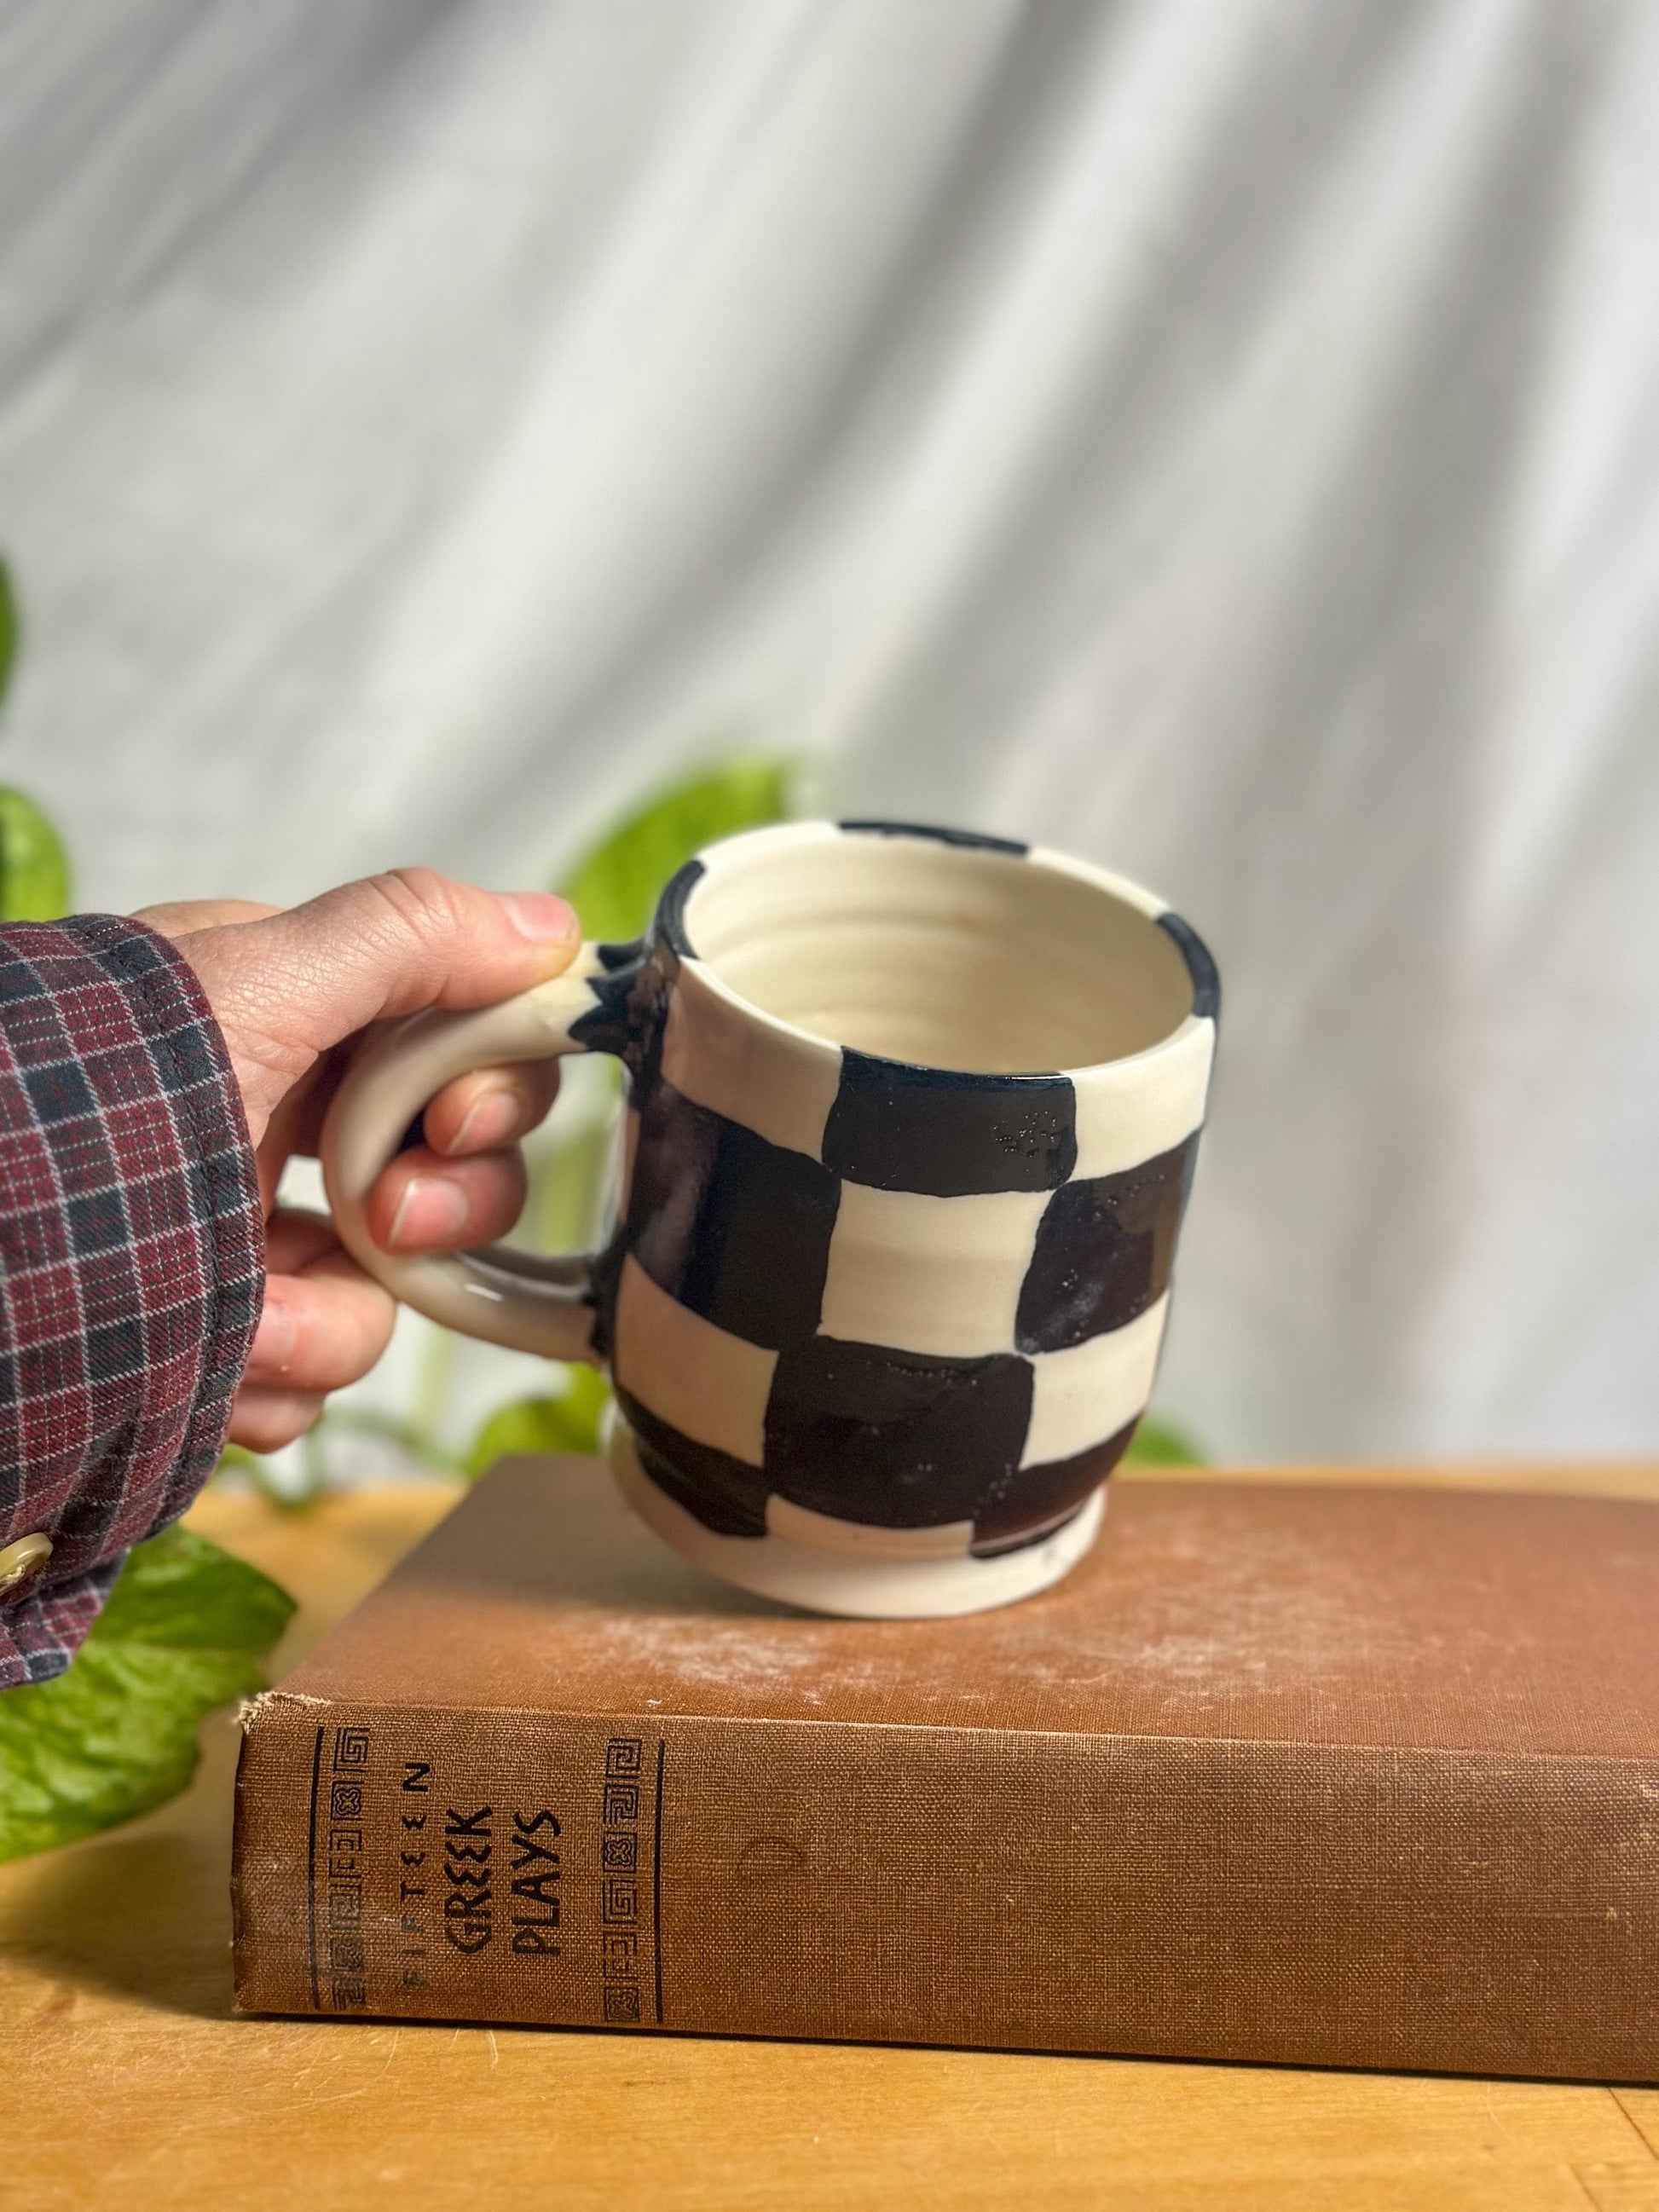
287, 988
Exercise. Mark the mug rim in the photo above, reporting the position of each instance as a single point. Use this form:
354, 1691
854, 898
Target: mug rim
668, 922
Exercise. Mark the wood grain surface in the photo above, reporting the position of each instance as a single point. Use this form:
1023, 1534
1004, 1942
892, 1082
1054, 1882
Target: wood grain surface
125, 2080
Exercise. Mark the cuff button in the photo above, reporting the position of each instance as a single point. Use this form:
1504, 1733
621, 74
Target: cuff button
20, 1565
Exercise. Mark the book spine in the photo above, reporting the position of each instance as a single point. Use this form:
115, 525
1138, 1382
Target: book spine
1230, 1900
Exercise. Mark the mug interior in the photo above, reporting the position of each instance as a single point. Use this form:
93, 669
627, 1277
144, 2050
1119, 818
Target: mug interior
942, 954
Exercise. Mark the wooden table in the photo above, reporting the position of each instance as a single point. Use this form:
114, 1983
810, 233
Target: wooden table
125, 2082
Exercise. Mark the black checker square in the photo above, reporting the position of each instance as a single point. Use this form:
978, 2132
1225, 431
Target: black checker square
726, 1495
736, 1228
1200, 965
1037, 1500
949, 1134
894, 1439
1104, 1249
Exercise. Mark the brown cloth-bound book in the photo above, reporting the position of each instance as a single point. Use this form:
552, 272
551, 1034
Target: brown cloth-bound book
1343, 1777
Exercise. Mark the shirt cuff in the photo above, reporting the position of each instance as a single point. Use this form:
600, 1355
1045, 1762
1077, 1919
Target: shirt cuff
131, 1260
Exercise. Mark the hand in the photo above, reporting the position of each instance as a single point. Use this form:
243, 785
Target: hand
291, 990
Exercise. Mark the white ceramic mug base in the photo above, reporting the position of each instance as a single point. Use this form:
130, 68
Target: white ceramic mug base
855, 1588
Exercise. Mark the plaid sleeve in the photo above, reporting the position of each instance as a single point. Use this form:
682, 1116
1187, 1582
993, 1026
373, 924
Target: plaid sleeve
131, 1260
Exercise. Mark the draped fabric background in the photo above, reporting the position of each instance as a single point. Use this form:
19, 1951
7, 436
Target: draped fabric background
1223, 440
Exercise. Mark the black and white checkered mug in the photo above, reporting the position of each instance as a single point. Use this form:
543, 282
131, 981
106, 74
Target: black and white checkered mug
912, 1120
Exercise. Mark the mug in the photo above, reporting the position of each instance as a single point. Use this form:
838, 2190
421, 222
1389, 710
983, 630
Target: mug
911, 1122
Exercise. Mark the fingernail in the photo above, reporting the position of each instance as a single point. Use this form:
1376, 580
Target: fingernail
491, 1120
541, 917
432, 1211
273, 1340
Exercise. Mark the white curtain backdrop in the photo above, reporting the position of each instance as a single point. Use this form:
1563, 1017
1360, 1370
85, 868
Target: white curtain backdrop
1223, 439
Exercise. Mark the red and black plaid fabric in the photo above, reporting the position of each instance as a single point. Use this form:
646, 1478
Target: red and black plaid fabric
131, 1260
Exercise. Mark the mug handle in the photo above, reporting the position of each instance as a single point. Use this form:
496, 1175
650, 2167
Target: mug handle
528, 1301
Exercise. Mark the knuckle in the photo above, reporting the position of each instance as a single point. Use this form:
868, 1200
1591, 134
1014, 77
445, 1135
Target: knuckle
420, 903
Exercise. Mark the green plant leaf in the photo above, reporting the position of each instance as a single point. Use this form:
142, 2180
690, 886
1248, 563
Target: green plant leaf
184, 1632
183, 1593
35, 877
1161, 1443
569, 1423
615, 887
8, 627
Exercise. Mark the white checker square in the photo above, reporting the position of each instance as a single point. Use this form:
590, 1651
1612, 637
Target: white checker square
935, 1275
711, 1386
715, 1054
1130, 1111
1085, 1394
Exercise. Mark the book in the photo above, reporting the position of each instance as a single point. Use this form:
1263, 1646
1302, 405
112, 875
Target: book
1325, 1775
